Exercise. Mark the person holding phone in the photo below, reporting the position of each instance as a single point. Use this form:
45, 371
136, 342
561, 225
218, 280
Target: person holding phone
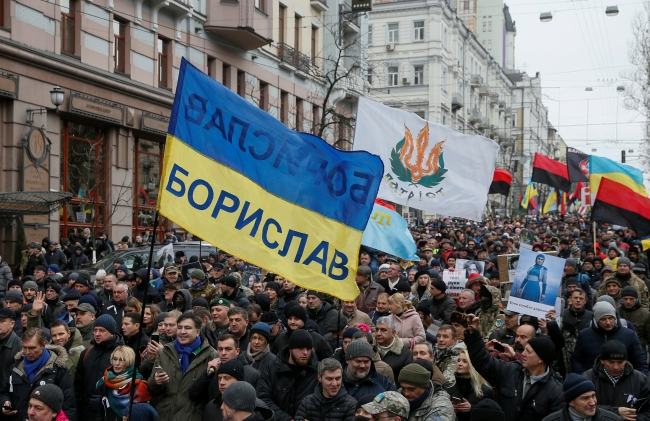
470, 388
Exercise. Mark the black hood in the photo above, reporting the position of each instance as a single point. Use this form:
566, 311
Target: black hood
186, 296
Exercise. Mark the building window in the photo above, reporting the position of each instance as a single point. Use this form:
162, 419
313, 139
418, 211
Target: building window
83, 174
484, 26
281, 23
369, 34
418, 31
300, 114
148, 167
225, 70
444, 37
296, 36
241, 83
418, 75
393, 32
260, 5
443, 82
67, 25
315, 118
119, 45
2, 14
489, 47
420, 114
163, 63
369, 76
393, 73
490, 26
264, 96
284, 107
314, 38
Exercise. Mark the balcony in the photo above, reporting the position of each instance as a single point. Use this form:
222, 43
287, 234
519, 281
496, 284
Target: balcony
494, 98
484, 123
243, 22
286, 54
353, 85
456, 102
350, 20
320, 5
475, 116
502, 105
302, 62
476, 81
484, 90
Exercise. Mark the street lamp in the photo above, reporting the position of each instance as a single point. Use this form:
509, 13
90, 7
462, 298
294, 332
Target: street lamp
611, 10
57, 95
546, 16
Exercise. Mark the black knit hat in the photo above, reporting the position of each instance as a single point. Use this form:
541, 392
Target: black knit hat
439, 284
572, 281
200, 302
403, 286
614, 350
629, 291
300, 338
544, 348
424, 308
273, 285
365, 399
297, 311
240, 396
575, 385
421, 273
234, 368
51, 395
320, 295
229, 281
487, 409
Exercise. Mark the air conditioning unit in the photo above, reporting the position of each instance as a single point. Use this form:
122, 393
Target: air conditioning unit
406, 81
390, 47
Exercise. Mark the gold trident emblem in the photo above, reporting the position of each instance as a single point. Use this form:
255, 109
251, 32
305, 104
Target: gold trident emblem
380, 217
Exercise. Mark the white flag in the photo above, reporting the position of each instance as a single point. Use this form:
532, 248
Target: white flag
427, 166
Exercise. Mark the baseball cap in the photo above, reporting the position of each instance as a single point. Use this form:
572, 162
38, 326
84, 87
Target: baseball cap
392, 402
6, 313
85, 307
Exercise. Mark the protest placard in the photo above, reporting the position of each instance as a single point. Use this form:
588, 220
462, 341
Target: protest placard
470, 266
455, 281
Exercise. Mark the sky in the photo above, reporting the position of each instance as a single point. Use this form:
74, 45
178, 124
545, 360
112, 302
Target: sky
582, 47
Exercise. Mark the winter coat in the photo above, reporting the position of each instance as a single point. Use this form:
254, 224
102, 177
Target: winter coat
211, 332
447, 360
86, 333
583, 278
282, 388
206, 387
578, 319
442, 308
367, 300
213, 411
153, 297
116, 311
322, 318
12, 345
316, 407
373, 384
397, 357
409, 328
473, 309
436, 407
238, 297
564, 415
104, 296
5, 275
206, 291
633, 280
172, 399
640, 318
359, 317
462, 388
322, 348
260, 365
491, 319
376, 315
590, 344
32, 262
77, 261
544, 396
74, 347
57, 257
17, 388
92, 364
380, 366
631, 384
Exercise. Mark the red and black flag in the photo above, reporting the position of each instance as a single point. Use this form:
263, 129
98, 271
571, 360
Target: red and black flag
550, 172
577, 163
501, 181
618, 204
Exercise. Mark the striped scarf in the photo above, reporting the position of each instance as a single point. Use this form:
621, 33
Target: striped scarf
120, 389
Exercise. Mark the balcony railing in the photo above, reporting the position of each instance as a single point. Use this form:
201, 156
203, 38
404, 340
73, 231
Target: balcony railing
286, 53
475, 116
476, 81
320, 5
456, 102
303, 62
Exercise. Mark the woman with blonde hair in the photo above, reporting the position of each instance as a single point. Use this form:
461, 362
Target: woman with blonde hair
407, 321
470, 387
420, 287
115, 385
132, 305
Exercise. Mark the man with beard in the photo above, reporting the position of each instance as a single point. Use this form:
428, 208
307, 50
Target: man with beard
231, 292
219, 325
297, 321
360, 376
329, 397
467, 302
292, 376
84, 320
370, 290
523, 334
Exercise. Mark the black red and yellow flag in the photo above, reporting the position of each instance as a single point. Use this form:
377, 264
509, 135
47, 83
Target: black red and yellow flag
620, 205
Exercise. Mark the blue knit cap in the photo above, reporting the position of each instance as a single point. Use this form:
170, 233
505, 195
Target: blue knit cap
107, 322
575, 385
143, 412
88, 299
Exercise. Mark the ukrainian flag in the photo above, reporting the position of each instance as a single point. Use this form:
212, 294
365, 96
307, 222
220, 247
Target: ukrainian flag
531, 191
285, 201
551, 202
626, 175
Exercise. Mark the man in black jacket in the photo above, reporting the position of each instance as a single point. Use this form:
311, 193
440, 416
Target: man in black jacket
390, 346
321, 312
92, 364
36, 258
507, 333
330, 401
291, 377
618, 384
528, 390
54, 255
467, 302
10, 343
580, 396
297, 321
440, 303
36, 365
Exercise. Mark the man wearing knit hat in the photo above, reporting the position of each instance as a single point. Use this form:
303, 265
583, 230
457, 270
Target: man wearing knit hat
291, 377
632, 311
45, 403
625, 276
571, 272
360, 377
93, 362
618, 384
440, 304
200, 286
490, 311
529, 388
606, 327
231, 292
239, 403
320, 311
330, 401
426, 400
581, 400
296, 317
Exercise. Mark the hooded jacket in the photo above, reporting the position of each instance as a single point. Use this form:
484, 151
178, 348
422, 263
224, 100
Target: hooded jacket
282, 385
373, 384
409, 328
78, 260
590, 343
17, 388
173, 402
317, 407
490, 319
610, 396
186, 297
640, 318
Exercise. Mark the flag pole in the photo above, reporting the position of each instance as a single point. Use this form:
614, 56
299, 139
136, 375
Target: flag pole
144, 286
594, 229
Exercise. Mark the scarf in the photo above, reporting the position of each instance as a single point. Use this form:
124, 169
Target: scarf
421, 290
417, 402
31, 369
120, 389
613, 379
185, 351
383, 350
200, 284
256, 356
576, 416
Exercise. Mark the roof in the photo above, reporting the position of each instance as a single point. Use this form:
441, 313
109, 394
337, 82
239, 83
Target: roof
515, 77
510, 24
32, 203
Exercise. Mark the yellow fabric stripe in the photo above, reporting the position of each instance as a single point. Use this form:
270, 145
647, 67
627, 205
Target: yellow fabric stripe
626, 180
319, 265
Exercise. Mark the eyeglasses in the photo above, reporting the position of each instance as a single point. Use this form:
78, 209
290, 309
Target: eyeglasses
117, 360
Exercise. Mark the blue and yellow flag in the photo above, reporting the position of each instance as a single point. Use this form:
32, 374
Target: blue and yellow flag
627, 175
551, 202
389, 232
531, 191
285, 201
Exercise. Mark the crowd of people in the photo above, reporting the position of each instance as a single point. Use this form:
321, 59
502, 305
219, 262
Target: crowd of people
216, 345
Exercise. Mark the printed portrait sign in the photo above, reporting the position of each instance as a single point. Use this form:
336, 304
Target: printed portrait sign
455, 281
